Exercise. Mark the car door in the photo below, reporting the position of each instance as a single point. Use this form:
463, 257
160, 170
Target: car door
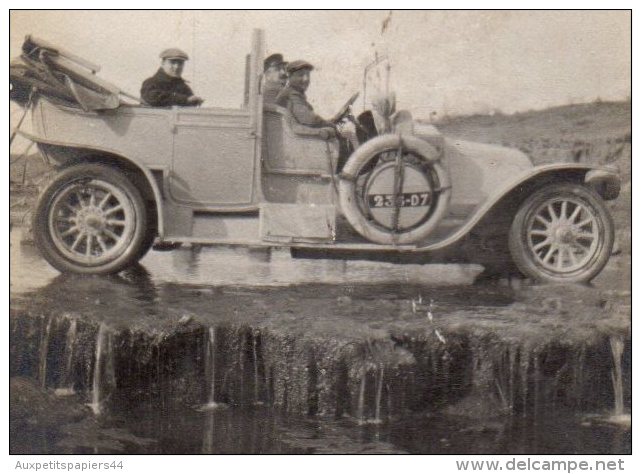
213, 157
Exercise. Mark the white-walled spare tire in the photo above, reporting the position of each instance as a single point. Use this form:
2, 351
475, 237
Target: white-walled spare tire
394, 190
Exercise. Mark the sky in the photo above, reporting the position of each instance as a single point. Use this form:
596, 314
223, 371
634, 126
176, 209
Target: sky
442, 62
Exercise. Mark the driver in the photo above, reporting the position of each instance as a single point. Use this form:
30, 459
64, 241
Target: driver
293, 98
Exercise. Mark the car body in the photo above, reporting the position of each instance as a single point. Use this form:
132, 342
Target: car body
254, 177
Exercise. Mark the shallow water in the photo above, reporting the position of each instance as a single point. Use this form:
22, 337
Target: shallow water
173, 429
195, 265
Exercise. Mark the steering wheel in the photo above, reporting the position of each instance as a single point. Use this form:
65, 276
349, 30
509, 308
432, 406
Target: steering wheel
344, 110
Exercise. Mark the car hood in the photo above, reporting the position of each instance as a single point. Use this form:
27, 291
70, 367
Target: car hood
493, 155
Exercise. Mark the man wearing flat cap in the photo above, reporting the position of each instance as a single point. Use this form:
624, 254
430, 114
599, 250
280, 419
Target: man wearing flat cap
275, 77
167, 87
293, 96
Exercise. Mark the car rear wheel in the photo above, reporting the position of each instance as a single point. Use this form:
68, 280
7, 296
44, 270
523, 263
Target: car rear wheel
562, 233
90, 219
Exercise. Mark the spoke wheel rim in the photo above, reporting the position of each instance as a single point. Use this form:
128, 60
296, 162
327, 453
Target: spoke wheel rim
564, 235
91, 222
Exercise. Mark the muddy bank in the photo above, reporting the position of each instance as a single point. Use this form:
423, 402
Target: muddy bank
369, 352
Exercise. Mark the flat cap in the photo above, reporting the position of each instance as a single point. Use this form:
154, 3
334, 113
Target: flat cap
298, 65
273, 60
174, 53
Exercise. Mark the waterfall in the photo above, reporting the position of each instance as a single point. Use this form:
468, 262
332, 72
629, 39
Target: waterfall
255, 357
578, 376
525, 366
44, 352
537, 378
361, 415
379, 393
616, 344
360, 412
210, 369
67, 382
389, 400
512, 371
103, 366
71, 341
241, 368
618, 416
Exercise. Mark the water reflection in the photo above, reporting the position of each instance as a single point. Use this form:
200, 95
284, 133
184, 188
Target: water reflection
215, 266
165, 282
249, 267
28, 270
208, 436
185, 260
130, 291
184, 430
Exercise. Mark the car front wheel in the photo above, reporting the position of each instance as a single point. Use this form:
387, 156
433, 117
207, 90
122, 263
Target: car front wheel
90, 219
562, 233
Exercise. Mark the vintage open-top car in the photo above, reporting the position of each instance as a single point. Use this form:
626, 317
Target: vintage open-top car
130, 175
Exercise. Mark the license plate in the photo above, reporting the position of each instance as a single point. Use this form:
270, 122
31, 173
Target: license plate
404, 200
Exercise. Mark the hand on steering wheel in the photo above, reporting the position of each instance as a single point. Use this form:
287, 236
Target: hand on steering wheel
345, 109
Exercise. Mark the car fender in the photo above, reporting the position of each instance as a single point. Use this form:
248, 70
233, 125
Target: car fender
76, 150
604, 179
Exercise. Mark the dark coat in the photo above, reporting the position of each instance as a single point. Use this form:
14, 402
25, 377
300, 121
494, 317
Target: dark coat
296, 102
270, 92
162, 90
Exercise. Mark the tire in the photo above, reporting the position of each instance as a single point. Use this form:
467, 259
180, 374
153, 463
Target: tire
90, 219
416, 155
563, 233
147, 243
150, 234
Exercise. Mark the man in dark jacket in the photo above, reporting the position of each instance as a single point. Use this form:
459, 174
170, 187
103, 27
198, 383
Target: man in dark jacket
275, 77
167, 87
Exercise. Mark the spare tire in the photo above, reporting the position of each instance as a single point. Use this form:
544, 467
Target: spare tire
394, 190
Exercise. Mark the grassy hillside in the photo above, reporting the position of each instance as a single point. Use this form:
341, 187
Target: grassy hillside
594, 133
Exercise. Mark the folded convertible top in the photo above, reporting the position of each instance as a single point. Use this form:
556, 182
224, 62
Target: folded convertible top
61, 76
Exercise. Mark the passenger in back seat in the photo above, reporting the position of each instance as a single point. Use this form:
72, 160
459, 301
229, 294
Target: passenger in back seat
275, 77
167, 87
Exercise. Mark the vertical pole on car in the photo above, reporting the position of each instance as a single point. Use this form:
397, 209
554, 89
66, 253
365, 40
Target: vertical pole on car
398, 186
256, 106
